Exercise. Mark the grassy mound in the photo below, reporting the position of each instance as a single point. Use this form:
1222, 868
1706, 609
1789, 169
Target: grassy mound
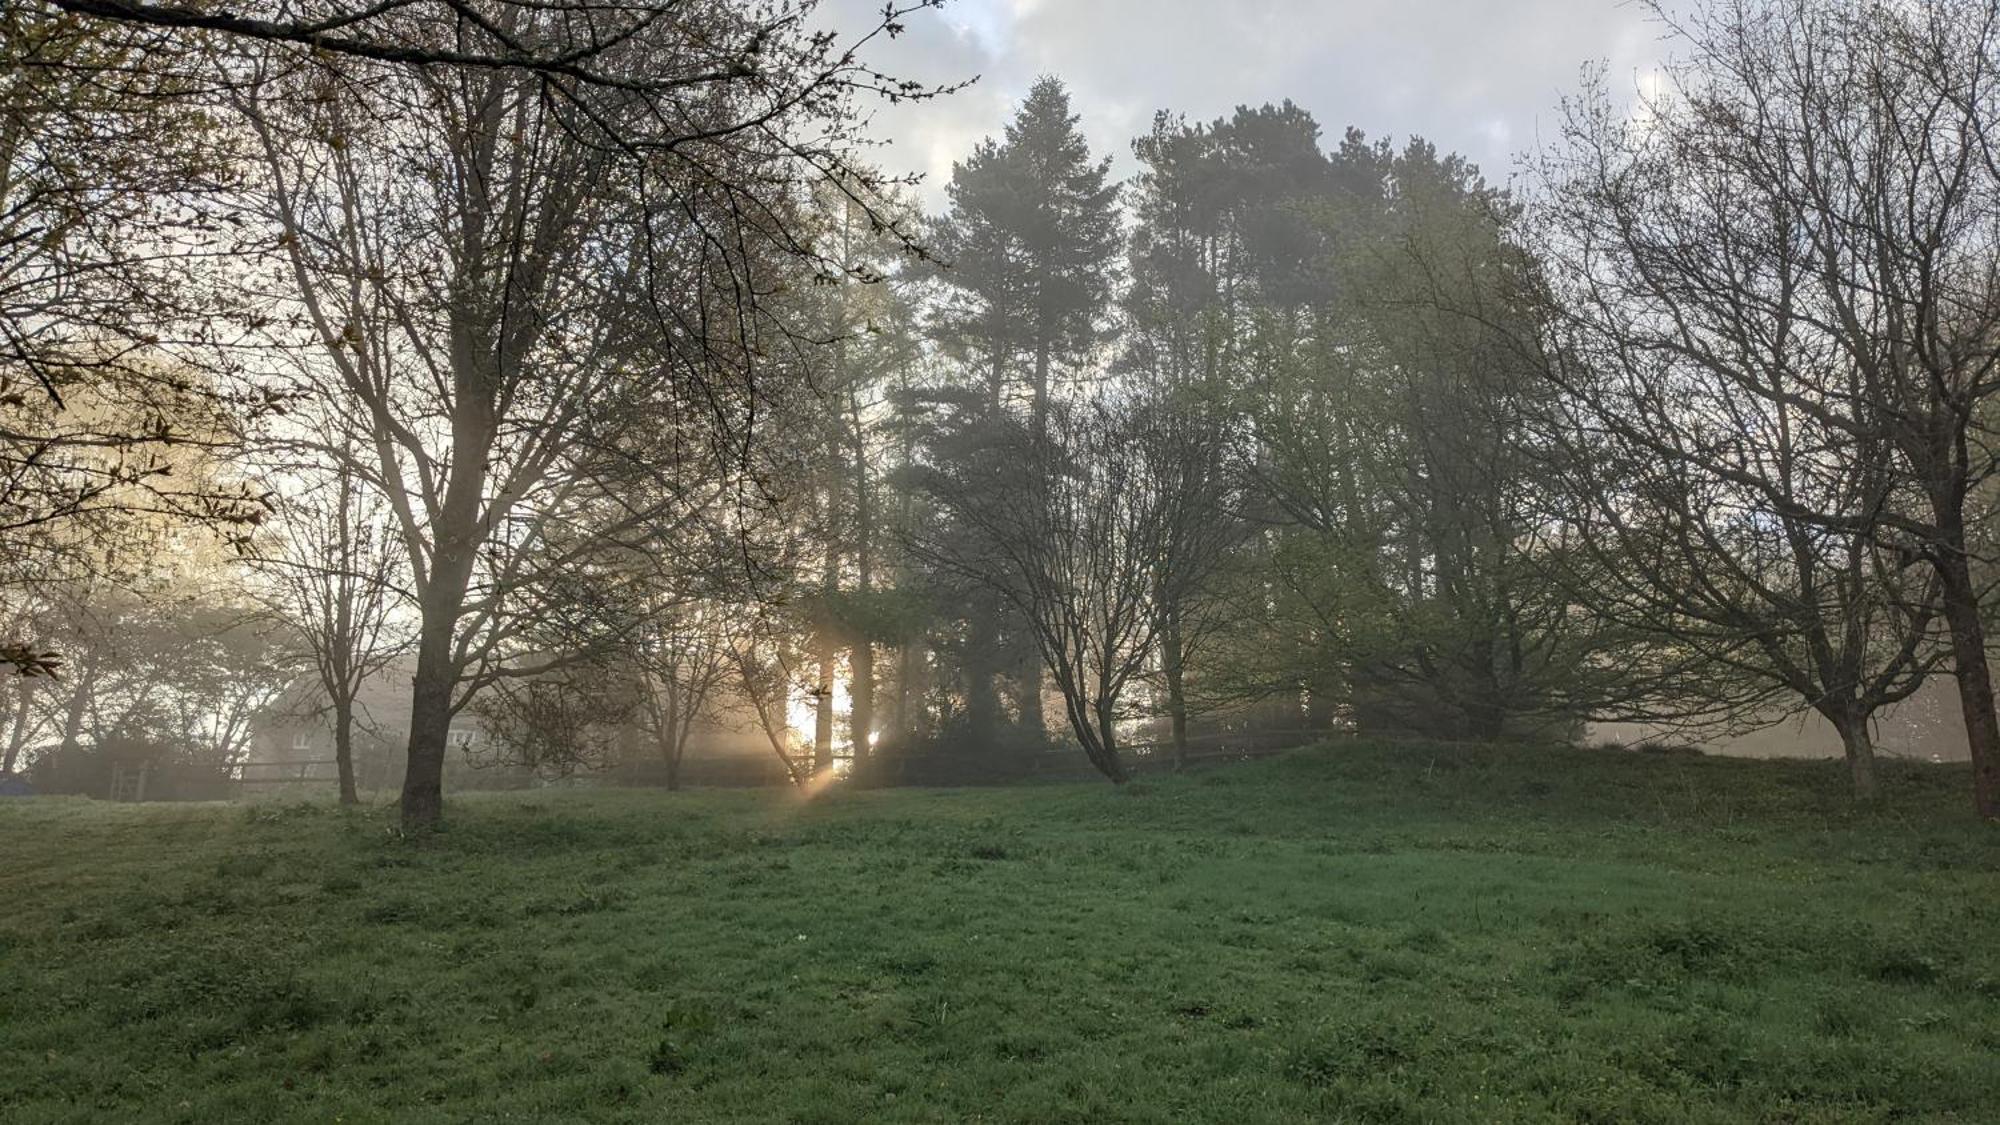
1363, 933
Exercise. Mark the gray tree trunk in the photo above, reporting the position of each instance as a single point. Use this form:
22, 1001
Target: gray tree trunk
17, 737
343, 750
982, 699
1860, 750
1175, 660
823, 707
435, 680
1975, 690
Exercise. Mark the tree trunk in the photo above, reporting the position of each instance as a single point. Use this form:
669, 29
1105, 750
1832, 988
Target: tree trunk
434, 682
904, 723
1174, 659
673, 743
1041, 400
1860, 749
982, 700
1096, 733
1107, 741
1319, 702
861, 658
17, 737
823, 707
1034, 718
1975, 683
430, 723
343, 749
342, 643
461, 526
1485, 717
861, 696
828, 650
1484, 700
79, 703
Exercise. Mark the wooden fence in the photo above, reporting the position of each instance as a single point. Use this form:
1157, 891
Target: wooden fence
985, 766
1001, 766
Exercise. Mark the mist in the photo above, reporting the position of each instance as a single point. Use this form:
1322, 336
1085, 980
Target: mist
999, 560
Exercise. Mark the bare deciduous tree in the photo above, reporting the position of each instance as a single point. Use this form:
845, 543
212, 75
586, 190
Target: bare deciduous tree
500, 271
1803, 231
336, 581
685, 659
111, 176
1736, 608
1096, 530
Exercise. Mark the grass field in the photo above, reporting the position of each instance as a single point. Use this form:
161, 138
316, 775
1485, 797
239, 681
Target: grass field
1361, 933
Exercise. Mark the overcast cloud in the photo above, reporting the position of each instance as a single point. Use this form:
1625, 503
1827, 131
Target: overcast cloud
1475, 76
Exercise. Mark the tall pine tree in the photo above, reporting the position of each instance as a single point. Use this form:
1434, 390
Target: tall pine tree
1032, 239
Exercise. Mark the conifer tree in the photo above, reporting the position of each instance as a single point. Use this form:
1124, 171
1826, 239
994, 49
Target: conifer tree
1031, 241
1031, 238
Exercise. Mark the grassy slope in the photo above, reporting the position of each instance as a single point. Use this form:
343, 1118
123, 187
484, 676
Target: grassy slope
1367, 933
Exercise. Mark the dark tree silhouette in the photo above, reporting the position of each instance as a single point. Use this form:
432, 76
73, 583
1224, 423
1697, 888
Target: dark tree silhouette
1803, 227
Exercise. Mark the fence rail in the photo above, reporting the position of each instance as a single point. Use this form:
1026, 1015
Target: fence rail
889, 769
1000, 766
291, 771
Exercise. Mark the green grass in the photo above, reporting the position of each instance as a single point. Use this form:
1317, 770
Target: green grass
1363, 933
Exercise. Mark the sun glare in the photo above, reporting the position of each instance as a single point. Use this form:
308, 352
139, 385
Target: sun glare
801, 719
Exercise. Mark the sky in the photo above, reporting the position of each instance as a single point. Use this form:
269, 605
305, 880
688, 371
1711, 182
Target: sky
1480, 77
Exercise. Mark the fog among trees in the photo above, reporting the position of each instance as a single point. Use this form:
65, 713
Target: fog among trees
1309, 568
561, 391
